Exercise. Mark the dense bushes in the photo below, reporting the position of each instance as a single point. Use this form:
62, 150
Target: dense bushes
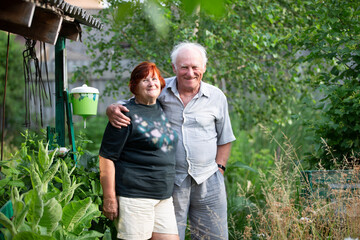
52, 196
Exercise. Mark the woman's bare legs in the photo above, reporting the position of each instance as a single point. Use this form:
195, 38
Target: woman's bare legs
164, 236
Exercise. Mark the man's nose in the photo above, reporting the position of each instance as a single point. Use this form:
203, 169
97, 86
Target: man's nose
190, 72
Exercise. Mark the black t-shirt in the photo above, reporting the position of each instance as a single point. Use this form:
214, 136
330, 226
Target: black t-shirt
143, 153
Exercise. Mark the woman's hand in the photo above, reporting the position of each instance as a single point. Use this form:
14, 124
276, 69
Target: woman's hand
107, 180
111, 208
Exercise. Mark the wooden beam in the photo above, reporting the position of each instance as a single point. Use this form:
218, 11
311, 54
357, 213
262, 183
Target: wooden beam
45, 26
70, 30
17, 12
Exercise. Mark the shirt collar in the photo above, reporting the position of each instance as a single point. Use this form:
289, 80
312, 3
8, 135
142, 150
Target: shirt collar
204, 90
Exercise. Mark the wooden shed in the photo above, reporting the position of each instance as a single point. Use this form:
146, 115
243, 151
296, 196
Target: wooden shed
52, 22
44, 20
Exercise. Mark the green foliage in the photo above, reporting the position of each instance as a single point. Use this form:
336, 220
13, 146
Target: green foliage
267, 56
87, 169
14, 101
328, 50
14, 110
248, 54
47, 210
339, 127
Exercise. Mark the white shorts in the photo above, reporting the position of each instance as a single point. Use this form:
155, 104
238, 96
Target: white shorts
140, 217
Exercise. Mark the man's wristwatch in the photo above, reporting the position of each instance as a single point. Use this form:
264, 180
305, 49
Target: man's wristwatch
222, 167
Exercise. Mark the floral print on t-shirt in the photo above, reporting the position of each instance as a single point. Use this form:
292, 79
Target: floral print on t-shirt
159, 133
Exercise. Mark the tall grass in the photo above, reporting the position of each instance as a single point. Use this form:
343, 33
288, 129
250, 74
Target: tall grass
285, 213
253, 157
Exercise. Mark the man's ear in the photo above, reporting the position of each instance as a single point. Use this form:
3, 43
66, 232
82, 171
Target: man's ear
173, 67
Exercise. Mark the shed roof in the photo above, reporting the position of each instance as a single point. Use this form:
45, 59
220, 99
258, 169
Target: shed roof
44, 20
73, 11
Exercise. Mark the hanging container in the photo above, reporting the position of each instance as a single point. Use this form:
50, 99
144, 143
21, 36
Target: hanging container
84, 101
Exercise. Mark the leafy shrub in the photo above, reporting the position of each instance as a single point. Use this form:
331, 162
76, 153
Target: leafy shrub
328, 50
339, 127
48, 209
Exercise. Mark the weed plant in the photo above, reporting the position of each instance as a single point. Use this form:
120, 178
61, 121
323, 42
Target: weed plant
254, 155
44, 204
288, 213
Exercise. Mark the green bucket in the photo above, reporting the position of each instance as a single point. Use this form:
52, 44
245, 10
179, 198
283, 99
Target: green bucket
84, 101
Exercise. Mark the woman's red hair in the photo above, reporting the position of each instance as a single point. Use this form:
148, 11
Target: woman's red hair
141, 71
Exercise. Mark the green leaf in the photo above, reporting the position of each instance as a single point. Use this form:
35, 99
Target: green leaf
122, 11
74, 212
335, 71
35, 179
20, 212
51, 216
85, 222
89, 235
6, 222
6, 232
66, 195
4, 182
43, 157
155, 13
59, 233
65, 176
49, 175
214, 7
238, 164
36, 207
16, 183
190, 5
31, 236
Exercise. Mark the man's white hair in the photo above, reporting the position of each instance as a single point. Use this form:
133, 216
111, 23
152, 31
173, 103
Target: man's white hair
188, 45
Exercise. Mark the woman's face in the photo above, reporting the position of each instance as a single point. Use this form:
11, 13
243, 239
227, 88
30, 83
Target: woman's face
148, 89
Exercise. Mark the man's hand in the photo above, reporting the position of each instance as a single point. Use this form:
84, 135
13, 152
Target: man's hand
222, 155
110, 208
116, 117
222, 171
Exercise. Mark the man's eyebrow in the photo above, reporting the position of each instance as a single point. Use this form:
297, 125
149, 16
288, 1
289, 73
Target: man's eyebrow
186, 65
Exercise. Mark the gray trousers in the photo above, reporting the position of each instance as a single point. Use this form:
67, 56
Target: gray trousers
205, 205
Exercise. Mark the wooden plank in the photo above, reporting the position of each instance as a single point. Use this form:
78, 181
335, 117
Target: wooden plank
70, 30
45, 26
17, 12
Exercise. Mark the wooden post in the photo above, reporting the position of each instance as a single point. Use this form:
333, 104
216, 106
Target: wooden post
60, 66
70, 125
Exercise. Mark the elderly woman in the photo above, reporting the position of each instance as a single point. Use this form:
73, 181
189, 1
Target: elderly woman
137, 164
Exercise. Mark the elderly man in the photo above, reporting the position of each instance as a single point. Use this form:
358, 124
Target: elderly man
199, 113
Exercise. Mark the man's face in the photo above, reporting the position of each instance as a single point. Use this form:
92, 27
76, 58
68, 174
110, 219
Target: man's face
189, 69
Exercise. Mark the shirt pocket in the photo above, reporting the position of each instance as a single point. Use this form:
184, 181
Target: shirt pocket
203, 126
